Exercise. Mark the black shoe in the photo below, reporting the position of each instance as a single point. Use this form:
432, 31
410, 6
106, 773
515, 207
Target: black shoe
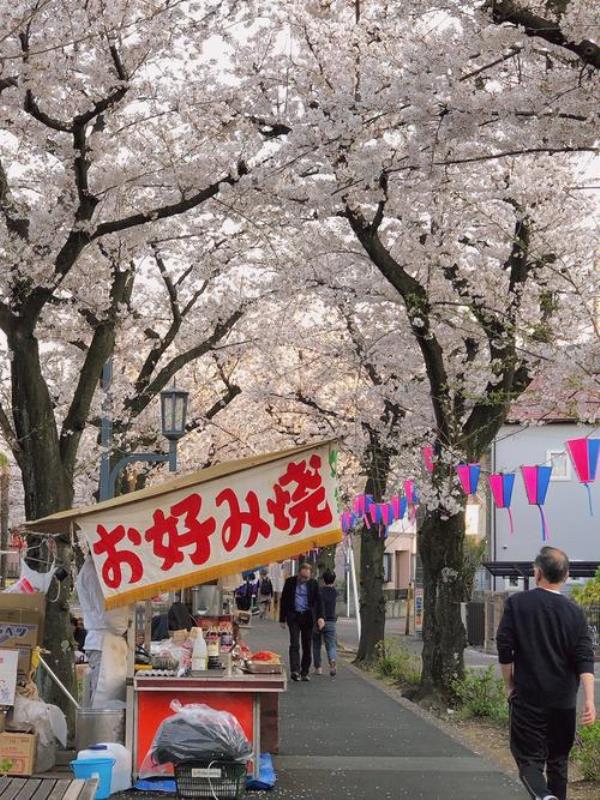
305, 678
295, 676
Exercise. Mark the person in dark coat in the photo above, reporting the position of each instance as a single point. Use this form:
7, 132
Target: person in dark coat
301, 609
545, 651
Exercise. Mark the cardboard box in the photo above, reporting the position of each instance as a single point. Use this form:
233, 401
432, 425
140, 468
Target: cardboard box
24, 662
17, 753
22, 624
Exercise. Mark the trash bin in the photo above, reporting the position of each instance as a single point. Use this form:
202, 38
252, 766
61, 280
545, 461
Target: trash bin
476, 623
95, 725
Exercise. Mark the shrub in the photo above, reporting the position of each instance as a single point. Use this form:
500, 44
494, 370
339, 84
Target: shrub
588, 595
481, 694
395, 662
587, 752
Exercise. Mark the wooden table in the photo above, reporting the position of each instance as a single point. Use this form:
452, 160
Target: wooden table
46, 789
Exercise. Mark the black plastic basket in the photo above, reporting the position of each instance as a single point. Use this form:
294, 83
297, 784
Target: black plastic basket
225, 780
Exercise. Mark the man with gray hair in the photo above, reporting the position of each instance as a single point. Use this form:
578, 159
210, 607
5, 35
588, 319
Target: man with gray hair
545, 651
301, 609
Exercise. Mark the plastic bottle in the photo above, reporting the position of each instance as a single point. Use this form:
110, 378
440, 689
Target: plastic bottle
199, 654
212, 649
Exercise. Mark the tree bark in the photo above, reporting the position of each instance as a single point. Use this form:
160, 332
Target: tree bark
48, 489
440, 543
372, 600
4, 500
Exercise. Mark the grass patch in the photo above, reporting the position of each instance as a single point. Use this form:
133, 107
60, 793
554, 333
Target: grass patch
394, 662
481, 695
587, 752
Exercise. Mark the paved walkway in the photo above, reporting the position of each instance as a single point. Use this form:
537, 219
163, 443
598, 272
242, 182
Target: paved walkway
347, 738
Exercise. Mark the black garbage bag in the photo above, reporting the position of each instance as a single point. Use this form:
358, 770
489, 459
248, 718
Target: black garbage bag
196, 733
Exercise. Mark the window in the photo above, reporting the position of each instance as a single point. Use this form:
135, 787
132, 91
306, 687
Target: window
560, 463
387, 567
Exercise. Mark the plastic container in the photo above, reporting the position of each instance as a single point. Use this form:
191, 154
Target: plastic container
121, 774
100, 768
225, 780
199, 653
99, 725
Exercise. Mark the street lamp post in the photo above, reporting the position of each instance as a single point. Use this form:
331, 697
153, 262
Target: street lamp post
173, 412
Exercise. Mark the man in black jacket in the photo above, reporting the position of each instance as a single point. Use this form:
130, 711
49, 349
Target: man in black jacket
301, 608
545, 649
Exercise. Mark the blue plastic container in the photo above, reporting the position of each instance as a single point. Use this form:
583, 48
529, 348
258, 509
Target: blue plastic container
101, 768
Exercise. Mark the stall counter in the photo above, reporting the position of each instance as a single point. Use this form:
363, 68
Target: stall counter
241, 695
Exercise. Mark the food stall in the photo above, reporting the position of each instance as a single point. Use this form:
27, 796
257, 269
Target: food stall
192, 530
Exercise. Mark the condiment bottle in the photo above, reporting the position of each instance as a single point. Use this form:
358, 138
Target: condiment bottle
199, 653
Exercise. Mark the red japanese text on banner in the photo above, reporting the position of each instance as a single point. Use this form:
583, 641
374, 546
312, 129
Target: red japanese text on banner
217, 527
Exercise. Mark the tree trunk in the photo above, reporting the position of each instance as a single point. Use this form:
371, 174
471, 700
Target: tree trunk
372, 600
4, 490
47, 489
440, 542
326, 560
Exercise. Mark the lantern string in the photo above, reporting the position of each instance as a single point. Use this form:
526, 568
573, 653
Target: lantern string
545, 535
510, 519
589, 494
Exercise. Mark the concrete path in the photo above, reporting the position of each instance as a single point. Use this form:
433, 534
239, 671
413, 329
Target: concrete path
347, 738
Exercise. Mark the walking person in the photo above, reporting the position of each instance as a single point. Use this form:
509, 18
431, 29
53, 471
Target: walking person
265, 594
301, 609
545, 651
328, 635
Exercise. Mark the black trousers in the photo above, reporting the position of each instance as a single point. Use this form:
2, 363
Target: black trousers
540, 741
301, 628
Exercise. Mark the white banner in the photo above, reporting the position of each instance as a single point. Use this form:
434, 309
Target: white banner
200, 532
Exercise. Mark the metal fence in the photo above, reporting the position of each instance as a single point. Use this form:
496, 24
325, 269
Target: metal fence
593, 617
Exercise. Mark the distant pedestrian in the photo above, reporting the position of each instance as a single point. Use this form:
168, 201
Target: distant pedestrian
545, 649
329, 634
301, 609
265, 594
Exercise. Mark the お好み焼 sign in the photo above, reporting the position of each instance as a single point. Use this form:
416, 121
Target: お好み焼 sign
211, 523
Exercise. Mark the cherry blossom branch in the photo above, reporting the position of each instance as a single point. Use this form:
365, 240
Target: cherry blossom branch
509, 153
169, 209
535, 26
418, 309
137, 404
513, 51
100, 348
232, 391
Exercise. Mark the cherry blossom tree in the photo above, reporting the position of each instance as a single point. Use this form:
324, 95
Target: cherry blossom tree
121, 135
454, 174
340, 363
